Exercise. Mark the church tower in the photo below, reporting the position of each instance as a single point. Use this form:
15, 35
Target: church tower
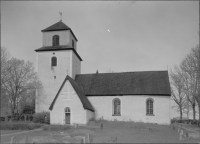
56, 59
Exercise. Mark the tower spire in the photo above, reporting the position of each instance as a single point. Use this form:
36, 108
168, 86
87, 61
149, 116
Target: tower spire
60, 16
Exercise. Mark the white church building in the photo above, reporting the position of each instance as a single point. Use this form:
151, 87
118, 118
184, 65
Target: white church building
75, 98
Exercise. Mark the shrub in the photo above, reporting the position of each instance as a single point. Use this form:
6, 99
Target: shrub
19, 126
198, 123
6, 126
40, 117
92, 119
173, 120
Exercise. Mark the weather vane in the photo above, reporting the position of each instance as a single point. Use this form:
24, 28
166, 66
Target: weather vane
60, 16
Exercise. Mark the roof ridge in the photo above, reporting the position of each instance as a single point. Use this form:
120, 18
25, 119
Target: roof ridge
125, 72
51, 27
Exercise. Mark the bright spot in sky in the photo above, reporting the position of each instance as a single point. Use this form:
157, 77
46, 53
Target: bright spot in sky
108, 30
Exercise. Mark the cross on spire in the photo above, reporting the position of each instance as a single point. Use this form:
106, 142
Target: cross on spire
60, 16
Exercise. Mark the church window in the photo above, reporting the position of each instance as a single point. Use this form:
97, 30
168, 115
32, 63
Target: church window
116, 107
55, 40
67, 110
53, 61
149, 106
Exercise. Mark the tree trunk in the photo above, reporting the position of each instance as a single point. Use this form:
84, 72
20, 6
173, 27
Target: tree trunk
13, 107
188, 109
181, 114
199, 113
194, 112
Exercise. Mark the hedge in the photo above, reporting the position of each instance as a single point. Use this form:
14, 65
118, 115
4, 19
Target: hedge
19, 126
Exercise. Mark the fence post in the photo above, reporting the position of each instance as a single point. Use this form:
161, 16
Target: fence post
26, 139
83, 139
12, 141
181, 135
88, 138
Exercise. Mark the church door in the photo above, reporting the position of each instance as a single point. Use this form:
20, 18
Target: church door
67, 115
67, 118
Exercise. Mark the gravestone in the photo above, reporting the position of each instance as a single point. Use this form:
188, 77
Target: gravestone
186, 134
6, 118
101, 126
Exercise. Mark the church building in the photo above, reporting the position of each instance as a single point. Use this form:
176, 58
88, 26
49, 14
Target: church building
75, 98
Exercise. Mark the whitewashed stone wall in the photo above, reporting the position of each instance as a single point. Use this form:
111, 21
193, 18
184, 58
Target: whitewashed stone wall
65, 38
76, 65
68, 98
133, 108
51, 78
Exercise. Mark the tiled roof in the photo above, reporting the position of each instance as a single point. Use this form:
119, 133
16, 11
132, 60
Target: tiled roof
57, 48
125, 83
79, 91
59, 26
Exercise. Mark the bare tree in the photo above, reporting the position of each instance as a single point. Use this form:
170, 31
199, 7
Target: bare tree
27, 99
21, 79
191, 69
177, 89
189, 84
5, 56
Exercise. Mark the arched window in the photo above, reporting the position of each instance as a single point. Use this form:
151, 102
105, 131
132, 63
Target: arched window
53, 61
149, 106
55, 40
67, 110
116, 107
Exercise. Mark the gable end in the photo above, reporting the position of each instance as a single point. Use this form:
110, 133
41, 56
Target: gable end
79, 91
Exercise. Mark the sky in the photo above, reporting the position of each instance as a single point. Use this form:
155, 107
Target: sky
113, 36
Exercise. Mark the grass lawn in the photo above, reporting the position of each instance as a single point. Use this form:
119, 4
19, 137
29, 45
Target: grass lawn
10, 131
130, 132
112, 132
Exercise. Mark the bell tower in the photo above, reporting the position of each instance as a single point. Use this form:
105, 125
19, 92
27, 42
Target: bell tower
56, 58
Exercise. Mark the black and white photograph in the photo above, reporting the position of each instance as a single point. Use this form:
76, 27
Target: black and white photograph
100, 72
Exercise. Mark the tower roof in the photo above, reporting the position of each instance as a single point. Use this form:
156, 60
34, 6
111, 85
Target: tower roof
59, 26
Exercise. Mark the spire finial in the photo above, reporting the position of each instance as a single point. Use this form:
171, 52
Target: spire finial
60, 16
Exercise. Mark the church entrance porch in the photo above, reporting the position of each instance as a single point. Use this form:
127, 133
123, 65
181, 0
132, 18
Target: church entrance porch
67, 115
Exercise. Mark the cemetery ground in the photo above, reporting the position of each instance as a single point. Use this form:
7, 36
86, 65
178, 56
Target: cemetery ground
112, 132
